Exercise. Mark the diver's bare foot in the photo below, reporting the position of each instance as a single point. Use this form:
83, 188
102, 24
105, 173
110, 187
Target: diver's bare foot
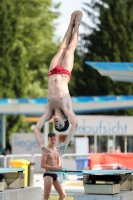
73, 17
78, 18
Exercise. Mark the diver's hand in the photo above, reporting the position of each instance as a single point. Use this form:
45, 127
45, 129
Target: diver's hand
44, 149
61, 148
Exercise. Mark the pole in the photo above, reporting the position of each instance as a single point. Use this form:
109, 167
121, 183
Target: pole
46, 131
2, 131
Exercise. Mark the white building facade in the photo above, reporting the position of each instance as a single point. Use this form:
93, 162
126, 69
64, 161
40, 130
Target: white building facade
104, 134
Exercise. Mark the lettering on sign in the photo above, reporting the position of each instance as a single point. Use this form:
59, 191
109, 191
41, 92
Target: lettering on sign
24, 143
102, 128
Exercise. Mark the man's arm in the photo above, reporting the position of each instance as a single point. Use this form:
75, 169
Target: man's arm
59, 160
73, 120
47, 116
45, 165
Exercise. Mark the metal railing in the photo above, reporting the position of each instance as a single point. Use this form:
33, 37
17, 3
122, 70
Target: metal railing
35, 158
69, 162
37, 167
7, 158
73, 155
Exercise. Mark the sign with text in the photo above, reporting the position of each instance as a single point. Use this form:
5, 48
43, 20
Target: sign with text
103, 125
24, 143
106, 125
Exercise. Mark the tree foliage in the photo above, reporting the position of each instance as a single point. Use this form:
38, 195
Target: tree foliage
13, 71
27, 46
37, 33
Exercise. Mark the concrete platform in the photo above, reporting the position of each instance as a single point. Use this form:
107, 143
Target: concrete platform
27, 193
123, 195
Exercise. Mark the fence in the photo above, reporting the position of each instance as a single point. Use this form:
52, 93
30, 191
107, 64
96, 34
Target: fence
71, 163
7, 158
37, 160
66, 159
72, 155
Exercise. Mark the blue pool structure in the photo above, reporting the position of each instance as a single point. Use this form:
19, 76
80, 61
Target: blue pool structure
117, 71
81, 105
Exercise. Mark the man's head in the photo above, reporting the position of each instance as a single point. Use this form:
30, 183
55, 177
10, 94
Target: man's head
61, 124
52, 138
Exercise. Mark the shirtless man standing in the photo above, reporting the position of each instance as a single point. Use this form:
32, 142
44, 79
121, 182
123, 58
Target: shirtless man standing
59, 101
51, 161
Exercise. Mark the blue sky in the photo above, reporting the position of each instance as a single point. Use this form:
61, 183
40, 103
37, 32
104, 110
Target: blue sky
66, 8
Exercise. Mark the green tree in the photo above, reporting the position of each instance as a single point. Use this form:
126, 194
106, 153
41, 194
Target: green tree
110, 39
13, 58
37, 28
27, 45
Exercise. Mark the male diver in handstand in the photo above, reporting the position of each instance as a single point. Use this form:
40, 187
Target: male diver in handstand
59, 101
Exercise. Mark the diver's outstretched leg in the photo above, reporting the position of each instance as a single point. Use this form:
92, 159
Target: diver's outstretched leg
57, 59
68, 59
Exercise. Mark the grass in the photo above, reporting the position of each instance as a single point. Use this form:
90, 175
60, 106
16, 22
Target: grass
55, 197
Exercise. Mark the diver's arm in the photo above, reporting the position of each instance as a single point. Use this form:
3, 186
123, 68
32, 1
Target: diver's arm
73, 120
37, 130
